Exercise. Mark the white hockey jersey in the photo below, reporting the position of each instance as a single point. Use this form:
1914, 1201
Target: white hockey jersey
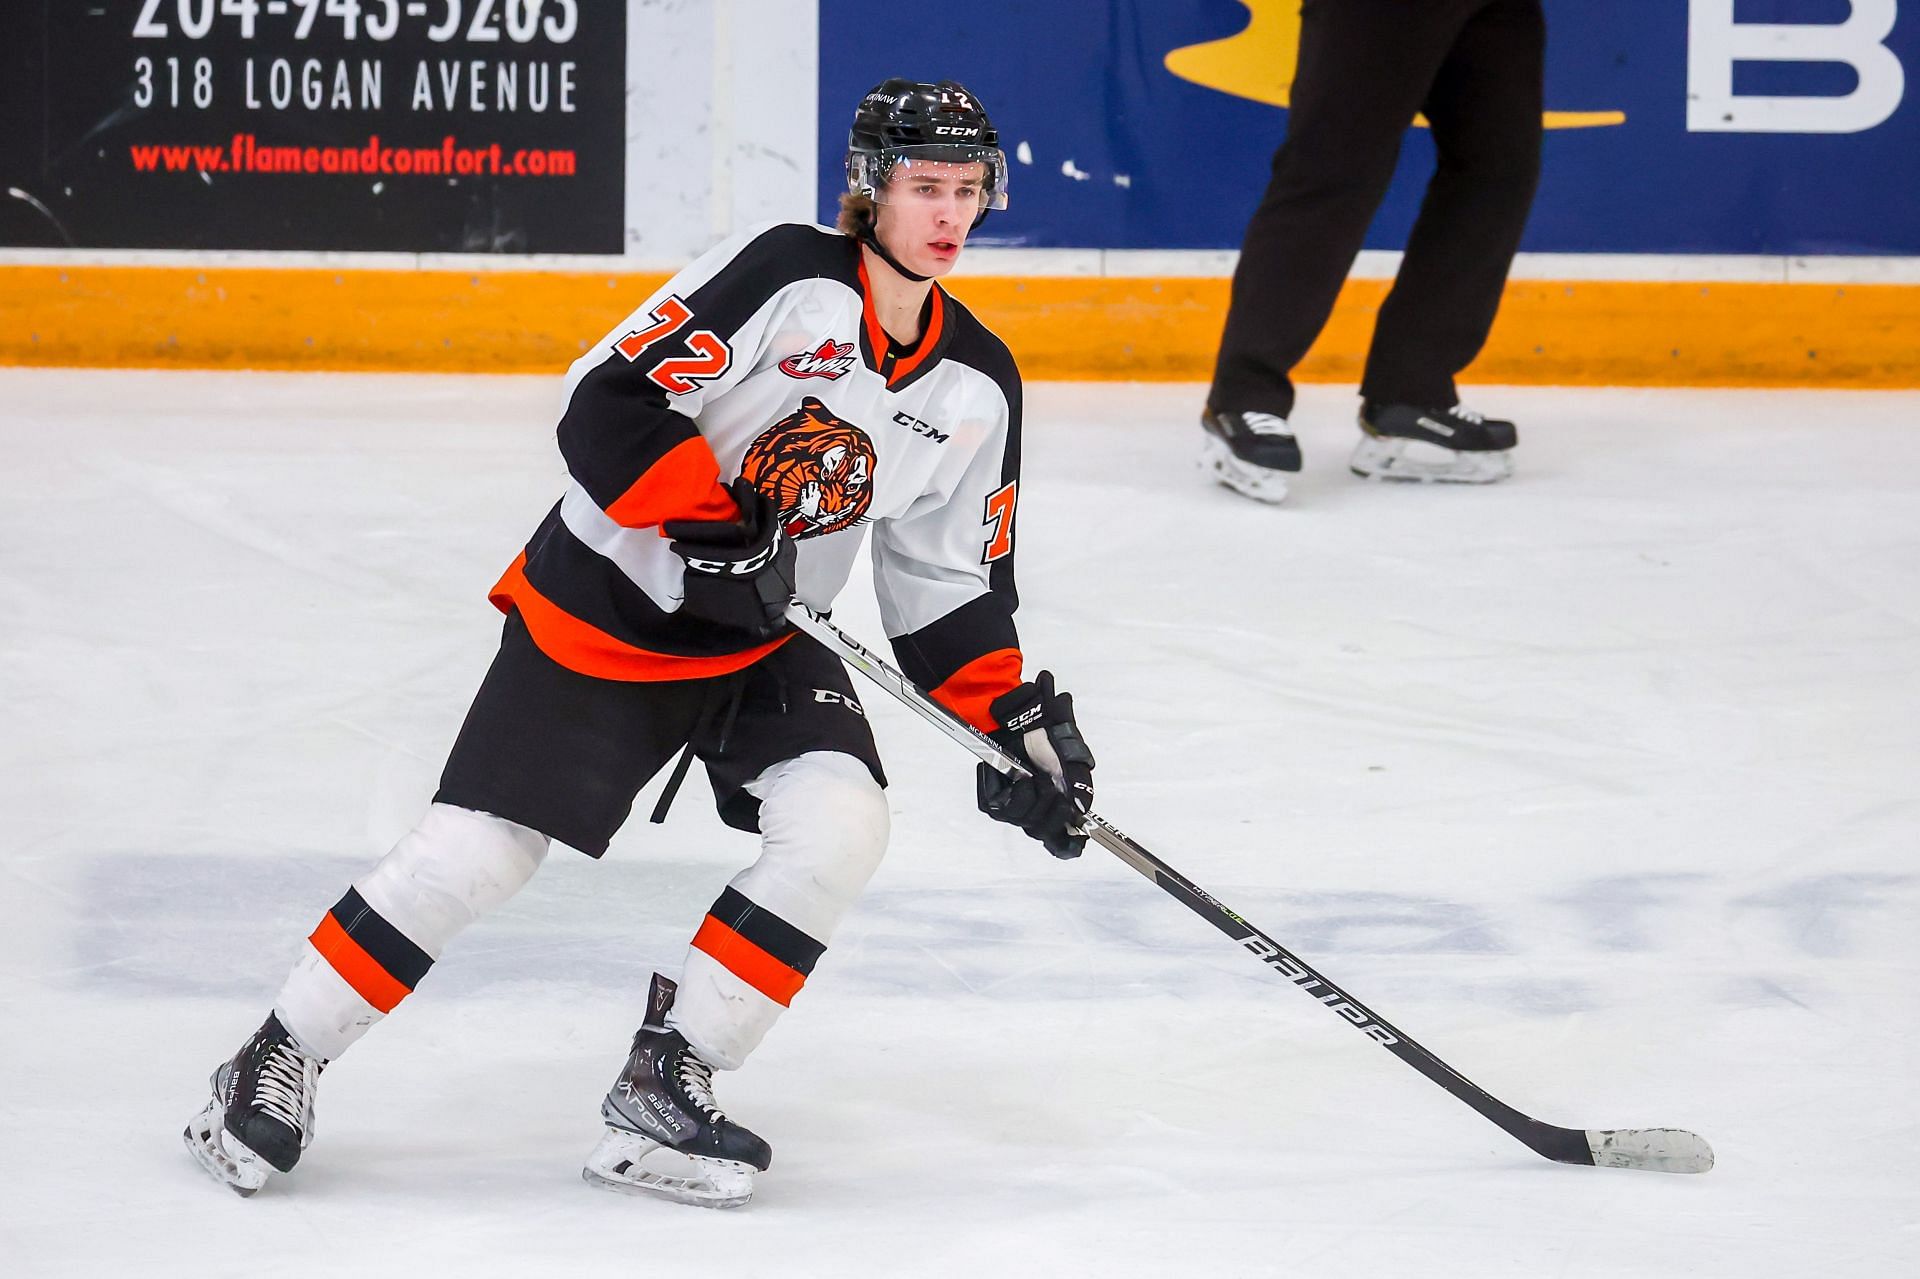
764, 359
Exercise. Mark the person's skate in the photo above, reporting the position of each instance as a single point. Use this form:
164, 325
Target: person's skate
665, 1134
1249, 453
261, 1114
1456, 445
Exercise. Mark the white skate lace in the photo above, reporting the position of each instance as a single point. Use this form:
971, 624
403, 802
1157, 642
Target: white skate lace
1465, 414
1265, 424
695, 1078
285, 1088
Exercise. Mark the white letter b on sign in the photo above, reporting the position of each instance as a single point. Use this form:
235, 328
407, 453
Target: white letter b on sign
1715, 42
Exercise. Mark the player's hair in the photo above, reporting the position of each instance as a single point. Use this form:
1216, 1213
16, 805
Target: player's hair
856, 211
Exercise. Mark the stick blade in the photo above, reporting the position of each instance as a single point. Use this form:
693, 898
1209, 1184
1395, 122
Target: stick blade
1651, 1149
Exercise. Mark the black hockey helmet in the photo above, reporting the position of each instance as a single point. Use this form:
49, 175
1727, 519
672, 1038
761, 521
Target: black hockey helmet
908, 122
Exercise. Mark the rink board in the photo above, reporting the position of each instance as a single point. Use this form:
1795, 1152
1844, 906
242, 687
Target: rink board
1586, 332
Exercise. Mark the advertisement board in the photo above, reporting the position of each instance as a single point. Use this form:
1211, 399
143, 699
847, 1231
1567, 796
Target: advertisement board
476, 126
1673, 126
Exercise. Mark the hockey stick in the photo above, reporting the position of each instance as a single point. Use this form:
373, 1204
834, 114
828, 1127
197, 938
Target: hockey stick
1653, 1149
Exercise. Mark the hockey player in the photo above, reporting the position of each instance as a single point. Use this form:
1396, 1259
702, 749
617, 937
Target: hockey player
729, 445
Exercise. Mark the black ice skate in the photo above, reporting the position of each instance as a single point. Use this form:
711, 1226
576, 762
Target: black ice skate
665, 1134
1249, 452
261, 1115
1456, 445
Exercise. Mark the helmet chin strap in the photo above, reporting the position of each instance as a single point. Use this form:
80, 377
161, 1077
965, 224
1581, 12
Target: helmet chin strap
872, 241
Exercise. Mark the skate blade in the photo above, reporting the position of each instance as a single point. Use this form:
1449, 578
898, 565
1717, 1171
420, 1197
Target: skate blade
1261, 483
630, 1164
225, 1160
1417, 461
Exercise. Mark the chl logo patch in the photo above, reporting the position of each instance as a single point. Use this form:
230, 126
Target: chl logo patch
832, 360
817, 470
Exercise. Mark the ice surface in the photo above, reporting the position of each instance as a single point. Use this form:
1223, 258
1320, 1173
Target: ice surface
1601, 783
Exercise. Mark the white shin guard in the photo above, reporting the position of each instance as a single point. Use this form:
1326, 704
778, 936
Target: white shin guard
824, 826
448, 871
452, 868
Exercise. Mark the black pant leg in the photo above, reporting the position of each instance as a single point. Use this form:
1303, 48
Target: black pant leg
796, 700
561, 752
1364, 68
1485, 109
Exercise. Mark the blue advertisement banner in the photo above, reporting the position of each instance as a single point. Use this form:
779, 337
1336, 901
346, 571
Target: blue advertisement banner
1673, 126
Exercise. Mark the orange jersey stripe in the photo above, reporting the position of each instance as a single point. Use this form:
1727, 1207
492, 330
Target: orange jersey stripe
360, 970
682, 485
969, 691
748, 962
876, 335
583, 647
928, 341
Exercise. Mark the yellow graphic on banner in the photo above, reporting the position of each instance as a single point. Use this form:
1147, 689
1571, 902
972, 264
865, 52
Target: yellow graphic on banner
1258, 63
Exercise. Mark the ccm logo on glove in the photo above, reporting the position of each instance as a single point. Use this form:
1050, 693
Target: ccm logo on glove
739, 572
1037, 728
740, 568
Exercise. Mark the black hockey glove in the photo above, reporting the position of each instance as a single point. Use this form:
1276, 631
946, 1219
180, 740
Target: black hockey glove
1037, 728
739, 573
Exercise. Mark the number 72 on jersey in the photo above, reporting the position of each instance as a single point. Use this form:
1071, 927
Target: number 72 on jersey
708, 357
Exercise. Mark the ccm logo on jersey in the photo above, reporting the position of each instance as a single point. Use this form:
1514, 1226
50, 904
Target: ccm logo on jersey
832, 360
921, 428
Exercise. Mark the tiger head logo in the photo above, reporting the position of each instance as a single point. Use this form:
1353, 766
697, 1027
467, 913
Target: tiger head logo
816, 469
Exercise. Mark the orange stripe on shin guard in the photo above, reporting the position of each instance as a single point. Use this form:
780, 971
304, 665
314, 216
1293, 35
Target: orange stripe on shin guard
748, 962
359, 969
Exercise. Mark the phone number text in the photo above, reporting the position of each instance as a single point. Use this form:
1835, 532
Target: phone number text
485, 21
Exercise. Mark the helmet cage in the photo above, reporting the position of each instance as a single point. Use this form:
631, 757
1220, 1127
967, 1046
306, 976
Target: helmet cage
872, 173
